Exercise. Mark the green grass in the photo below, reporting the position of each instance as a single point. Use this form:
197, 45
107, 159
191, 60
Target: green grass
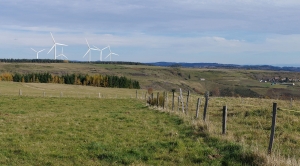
249, 123
246, 123
73, 131
249, 119
55, 90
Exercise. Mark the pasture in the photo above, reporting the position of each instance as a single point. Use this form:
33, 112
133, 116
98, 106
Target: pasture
109, 126
74, 130
117, 129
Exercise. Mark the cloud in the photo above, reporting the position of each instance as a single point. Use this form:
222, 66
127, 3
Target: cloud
153, 27
179, 43
153, 16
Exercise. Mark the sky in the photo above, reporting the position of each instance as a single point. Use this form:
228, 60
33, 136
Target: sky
213, 31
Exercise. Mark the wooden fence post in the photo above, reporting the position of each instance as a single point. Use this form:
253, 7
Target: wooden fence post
136, 94
157, 102
272, 128
20, 92
187, 102
99, 95
164, 98
173, 91
167, 101
178, 103
291, 102
224, 119
205, 105
61, 94
151, 99
181, 99
44, 94
197, 110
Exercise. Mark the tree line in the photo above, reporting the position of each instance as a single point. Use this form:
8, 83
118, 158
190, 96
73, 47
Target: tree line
66, 61
33, 61
75, 79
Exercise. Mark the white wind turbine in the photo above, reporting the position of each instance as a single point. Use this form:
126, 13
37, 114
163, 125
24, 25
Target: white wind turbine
37, 52
54, 46
101, 51
89, 50
110, 54
62, 53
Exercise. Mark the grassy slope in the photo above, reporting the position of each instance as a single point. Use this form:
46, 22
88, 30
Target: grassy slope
165, 78
249, 119
82, 131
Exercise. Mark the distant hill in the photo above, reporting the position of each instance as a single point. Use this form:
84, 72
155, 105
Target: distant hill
164, 64
225, 66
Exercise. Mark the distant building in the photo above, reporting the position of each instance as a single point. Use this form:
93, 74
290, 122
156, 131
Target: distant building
276, 78
290, 84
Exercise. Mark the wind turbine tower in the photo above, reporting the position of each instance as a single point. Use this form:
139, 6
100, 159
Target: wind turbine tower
37, 52
89, 50
62, 53
110, 54
54, 46
101, 51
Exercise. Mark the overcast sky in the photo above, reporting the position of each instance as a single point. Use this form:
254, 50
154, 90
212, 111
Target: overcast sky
231, 31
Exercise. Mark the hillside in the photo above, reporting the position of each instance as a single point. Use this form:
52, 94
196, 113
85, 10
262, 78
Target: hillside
116, 129
87, 107
226, 66
220, 82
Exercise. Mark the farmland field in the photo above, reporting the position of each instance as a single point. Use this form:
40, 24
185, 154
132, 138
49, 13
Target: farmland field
86, 131
224, 82
81, 128
57, 124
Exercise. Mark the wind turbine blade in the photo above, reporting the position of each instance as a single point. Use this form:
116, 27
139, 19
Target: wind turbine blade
61, 44
33, 50
64, 56
52, 37
51, 48
104, 48
87, 43
40, 51
96, 48
109, 49
108, 55
115, 54
86, 53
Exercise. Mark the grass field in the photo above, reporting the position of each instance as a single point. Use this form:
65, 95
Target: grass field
249, 123
55, 90
81, 128
49, 123
86, 131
